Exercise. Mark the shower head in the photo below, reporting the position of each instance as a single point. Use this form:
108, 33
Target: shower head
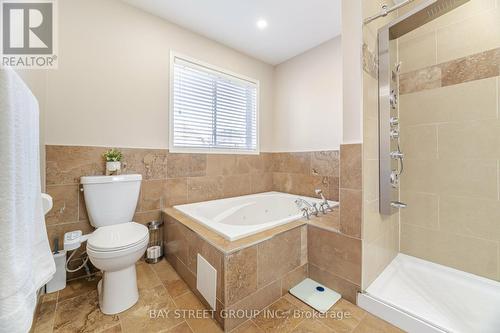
442, 7
426, 12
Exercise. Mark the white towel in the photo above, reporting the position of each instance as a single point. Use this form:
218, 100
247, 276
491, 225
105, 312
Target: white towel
26, 262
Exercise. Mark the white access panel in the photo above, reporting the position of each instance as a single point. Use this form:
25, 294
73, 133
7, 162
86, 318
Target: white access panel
206, 280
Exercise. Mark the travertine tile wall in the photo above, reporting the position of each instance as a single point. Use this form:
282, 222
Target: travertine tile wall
258, 275
64, 167
335, 260
182, 246
303, 172
248, 279
171, 179
334, 249
450, 133
469, 29
473, 67
333, 246
380, 233
168, 179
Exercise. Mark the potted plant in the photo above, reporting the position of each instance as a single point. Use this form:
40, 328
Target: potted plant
113, 159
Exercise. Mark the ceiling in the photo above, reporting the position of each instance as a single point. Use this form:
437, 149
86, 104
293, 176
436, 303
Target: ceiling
294, 26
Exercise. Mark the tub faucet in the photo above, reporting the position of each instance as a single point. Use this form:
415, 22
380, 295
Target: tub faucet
324, 206
309, 209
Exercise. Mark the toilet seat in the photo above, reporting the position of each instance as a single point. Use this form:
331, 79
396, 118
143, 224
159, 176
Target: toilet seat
118, 238
112, 255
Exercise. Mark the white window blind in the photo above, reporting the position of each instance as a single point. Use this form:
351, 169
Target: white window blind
212, 110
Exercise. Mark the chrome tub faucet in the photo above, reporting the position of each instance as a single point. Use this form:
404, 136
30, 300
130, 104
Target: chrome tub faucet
309, 209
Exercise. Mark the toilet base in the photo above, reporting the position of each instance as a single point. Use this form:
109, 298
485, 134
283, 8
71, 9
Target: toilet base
118, 290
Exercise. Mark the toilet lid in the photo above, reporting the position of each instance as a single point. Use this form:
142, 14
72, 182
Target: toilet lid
117, 236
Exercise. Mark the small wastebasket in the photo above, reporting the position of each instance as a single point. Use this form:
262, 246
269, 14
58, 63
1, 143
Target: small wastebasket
154, 252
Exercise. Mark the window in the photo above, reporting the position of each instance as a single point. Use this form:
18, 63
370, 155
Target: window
212, 110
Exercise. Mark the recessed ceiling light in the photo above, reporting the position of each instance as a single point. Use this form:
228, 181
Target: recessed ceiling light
261, 24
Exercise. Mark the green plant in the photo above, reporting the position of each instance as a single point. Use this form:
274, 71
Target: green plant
113, 155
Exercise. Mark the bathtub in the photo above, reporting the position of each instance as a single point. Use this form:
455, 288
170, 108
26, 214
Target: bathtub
238, 217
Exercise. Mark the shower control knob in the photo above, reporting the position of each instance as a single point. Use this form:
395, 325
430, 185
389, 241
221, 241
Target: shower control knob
394, 133
394, 121
397, 67
394, 179
398, 204
396, 154
393, 99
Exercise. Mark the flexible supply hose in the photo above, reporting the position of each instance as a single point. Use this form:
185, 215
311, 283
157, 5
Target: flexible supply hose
79, 267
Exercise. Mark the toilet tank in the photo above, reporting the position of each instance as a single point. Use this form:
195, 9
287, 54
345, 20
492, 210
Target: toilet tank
111, 199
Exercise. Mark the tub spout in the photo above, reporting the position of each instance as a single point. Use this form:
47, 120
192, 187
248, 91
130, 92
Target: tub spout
309, 209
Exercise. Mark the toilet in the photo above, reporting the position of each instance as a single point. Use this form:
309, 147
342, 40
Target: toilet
117, 243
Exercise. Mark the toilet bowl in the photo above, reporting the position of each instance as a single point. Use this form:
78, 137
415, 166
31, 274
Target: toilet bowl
117, 243
115, 250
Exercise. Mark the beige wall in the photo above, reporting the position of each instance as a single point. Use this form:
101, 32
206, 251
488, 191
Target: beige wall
451, 137
352, 30
308, 100
112, 85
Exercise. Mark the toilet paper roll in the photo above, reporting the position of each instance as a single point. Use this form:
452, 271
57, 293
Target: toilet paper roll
153, 252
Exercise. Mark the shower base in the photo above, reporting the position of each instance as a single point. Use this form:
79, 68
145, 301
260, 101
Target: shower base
421, 296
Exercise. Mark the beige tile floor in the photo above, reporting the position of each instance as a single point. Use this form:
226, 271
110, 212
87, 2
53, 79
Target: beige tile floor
75, 309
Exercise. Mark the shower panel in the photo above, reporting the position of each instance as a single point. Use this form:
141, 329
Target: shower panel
391, 158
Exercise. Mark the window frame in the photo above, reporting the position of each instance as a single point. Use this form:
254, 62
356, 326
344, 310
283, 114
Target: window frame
219, 71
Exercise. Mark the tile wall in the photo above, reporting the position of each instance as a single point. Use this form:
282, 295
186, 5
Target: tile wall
249, 278
380, 234
168, 179
450, 132
302, 173
449, 89
171, 179
334, 252
328, 251
182, 246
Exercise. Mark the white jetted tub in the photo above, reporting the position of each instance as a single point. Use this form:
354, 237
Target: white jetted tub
238, 217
